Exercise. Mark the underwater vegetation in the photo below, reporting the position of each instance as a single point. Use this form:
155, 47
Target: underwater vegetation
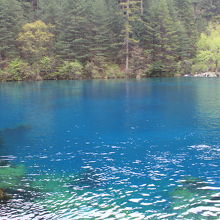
88, 179
61, 191
14, 131
13, 134
1, 141
59, 197
85, 193
195, 199
11, 175
55, 187
10, 178
49, 183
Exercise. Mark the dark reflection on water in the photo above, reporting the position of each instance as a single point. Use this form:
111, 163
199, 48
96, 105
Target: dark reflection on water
110, 149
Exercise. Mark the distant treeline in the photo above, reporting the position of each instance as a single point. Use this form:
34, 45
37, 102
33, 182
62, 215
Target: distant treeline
76, 39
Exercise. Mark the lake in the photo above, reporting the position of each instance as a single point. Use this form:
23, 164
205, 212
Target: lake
111, 149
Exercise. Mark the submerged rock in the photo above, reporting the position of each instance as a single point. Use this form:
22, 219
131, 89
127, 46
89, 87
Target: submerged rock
193, 183
4, 163
4, 196
190, 185
194, 196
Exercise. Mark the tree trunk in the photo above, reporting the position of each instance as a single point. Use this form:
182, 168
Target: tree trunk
35, 4
142, 7
127, 56
216, 66
127, 38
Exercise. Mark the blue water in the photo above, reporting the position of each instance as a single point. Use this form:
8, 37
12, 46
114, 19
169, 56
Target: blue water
112, 149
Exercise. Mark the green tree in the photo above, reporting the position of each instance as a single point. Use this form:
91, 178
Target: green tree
50, 11
74, 38
164, 40
132, 10
187, 17
102, 31
35, 40
209, 48
11, 18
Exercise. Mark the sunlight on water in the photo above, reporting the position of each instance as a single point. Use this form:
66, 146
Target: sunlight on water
65, 158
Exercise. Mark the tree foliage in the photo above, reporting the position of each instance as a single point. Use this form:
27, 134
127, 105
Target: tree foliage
108, 38
35, 40
11, 18
209, 48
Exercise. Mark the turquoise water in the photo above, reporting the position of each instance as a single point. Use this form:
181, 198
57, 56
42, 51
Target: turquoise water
110, 149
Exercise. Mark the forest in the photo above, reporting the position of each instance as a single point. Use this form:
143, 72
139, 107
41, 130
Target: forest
92, 39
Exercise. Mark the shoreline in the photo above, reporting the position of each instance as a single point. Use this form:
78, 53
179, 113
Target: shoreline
114, 78
84, 79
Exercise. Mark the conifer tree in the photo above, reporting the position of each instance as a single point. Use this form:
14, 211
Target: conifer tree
73, 40
164, 39
186, 15
131, 10
11, 18
101, 29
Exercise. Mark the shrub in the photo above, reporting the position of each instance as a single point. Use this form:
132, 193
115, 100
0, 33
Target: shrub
113, 71
100, 67
96, 67
17, 70
202, 67
47, 66
139, 62
69, 70
2, 76
93, 70
156, 69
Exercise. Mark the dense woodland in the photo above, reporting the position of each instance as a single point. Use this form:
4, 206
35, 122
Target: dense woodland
77, 39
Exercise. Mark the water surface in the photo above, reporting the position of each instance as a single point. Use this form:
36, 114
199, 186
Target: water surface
112, 149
